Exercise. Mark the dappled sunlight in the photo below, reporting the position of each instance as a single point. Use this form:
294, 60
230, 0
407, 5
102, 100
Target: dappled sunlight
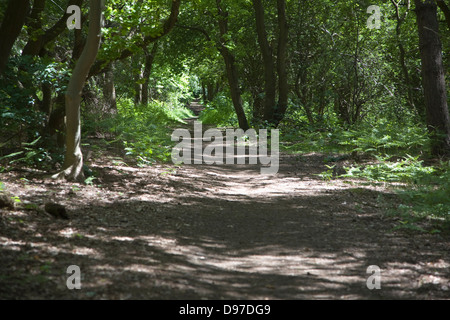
48, 248
221, 232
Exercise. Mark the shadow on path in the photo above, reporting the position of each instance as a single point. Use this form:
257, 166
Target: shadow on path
219, 232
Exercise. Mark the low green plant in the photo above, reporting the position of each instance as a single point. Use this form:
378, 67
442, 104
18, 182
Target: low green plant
425, 190
382, 138
429, 195
328, 174
33, 154
407, 170
145, 130
386, 137
219, 112
90, 181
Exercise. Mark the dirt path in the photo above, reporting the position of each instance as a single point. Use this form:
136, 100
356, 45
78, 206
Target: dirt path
214, 232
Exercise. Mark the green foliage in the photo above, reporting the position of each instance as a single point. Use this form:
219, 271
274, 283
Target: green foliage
385, 137
379, 138
428, 196
219, 112
328, 174
394, 153
22, 139
33, 154
145, 130
173, 89
407, 170
145, 16
425, 193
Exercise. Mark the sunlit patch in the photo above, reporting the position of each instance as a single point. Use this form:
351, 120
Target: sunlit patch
123, 239
157, 241
11, 244
68, 232
85, 252
140, 268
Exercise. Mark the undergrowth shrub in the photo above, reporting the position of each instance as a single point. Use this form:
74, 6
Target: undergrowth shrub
408, 170
219, 112
425, 192
386, 138
145, 130
394, 152
383, 138
429, 196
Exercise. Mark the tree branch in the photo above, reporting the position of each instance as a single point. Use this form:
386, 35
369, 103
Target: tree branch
169, 24
36, 45
446, 10
199, 29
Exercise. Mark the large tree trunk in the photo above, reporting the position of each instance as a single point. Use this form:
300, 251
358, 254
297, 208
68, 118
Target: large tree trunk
12, 24
232, 73
73, 162
269, 65
433, 78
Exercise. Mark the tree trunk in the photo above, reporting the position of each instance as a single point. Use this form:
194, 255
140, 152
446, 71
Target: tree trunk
401, 48
433, 78
12, 24
149, 58
78, 44
34, 28
73, 162
232, 73
269, 65
205, 94
109, 91
138, 81
302, 93
283, 88
46, 105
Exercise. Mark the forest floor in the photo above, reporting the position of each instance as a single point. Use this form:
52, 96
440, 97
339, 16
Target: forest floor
213, 232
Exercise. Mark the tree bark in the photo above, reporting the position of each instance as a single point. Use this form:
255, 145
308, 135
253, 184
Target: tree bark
109, 91
73, 162
269, 65
401, 48
433, 78
149, 59
283, 88
230, 66
12, 24
302, 93
232, 73
34, 26
138, 75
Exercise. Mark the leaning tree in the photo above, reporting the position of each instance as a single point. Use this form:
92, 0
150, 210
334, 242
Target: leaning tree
73, 161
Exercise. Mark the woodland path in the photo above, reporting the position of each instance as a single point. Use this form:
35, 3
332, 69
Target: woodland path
215, 232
